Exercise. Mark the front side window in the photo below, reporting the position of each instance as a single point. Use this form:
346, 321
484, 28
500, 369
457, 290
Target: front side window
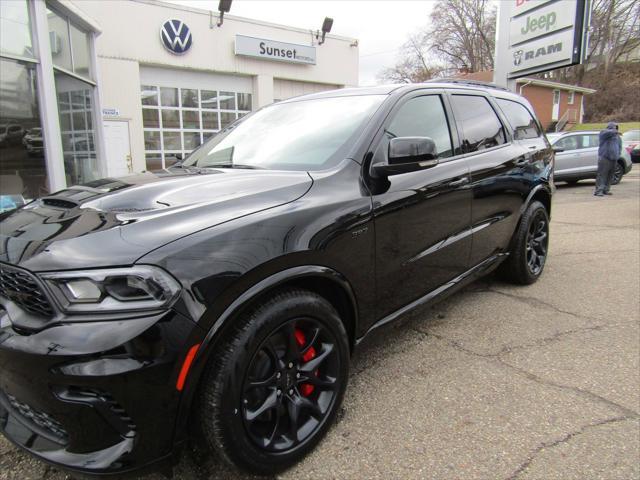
520, 118
300, 135
423, 117
477, 122
568, 143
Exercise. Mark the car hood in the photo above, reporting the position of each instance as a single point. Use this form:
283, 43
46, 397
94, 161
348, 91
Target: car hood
113, 222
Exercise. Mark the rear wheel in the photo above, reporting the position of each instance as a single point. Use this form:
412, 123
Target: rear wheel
529, 250
273, 390
617, 174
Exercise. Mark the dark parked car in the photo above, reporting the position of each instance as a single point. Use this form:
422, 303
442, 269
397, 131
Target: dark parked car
227, 294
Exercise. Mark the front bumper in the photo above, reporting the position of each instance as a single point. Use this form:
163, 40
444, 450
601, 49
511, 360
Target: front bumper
94, 397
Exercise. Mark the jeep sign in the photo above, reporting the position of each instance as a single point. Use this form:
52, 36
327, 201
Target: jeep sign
537, 36
536, 23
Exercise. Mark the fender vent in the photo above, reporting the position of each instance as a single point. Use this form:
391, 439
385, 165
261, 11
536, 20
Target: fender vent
105, 404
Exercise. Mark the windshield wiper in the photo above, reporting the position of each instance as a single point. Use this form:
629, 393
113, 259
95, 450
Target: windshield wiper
233, 165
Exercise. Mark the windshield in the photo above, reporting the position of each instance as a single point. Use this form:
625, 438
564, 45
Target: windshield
302, 135
631, 136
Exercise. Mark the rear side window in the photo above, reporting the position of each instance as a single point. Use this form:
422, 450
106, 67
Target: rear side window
588, 141
520, 118
423, 117
478, 123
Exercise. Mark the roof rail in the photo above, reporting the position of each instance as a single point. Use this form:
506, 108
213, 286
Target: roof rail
461, 81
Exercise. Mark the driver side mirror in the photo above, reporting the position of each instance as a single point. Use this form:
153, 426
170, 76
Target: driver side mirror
558, 149
408, 154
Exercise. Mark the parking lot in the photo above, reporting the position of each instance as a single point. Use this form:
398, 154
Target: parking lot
497, 382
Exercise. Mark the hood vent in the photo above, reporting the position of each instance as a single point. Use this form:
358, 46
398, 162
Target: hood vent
59, 203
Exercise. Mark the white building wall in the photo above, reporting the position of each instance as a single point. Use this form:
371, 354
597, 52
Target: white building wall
283, 89
131, 30
120, 88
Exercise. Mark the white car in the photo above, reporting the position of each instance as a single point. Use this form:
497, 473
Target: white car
577, 157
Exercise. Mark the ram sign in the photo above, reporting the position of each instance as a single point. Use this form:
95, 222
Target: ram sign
543, 35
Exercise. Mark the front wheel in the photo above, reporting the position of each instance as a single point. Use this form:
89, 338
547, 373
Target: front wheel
617, 174
530, 245
272, 390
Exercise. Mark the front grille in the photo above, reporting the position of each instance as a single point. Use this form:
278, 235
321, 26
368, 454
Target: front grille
40, 419
22, 288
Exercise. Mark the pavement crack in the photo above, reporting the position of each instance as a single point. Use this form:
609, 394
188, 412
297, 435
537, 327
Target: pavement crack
568, 437
593, 397
536, 303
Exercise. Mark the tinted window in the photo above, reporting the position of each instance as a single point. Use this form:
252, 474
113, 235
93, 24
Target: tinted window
568, 143
479, 124
520, 119
423, 117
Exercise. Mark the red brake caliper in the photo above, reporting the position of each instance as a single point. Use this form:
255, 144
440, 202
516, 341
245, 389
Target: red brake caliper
305, 388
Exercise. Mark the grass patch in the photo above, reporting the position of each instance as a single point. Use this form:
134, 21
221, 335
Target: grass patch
624, 126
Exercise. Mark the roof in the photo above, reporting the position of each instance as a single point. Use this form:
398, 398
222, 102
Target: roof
492, 89
555, 85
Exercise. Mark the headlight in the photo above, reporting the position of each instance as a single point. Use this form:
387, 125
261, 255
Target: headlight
113, 290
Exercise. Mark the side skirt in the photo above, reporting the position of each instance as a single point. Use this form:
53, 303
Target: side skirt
441, 292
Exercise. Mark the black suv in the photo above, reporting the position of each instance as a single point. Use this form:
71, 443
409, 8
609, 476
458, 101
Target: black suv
227, 293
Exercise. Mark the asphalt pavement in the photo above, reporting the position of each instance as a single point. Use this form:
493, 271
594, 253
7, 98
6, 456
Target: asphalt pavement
498, 381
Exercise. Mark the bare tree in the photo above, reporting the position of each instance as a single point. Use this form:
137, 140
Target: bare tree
461, 37
613, 35
415, 65
463, 33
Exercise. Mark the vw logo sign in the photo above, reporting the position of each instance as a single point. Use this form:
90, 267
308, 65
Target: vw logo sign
176, 36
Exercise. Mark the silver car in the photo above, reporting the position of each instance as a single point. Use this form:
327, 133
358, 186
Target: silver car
577, 157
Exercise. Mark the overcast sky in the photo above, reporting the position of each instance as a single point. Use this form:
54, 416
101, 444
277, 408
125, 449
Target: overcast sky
381, 26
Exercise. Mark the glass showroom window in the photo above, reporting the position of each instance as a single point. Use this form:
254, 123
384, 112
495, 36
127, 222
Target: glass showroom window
23, 171
70, 51
178, 120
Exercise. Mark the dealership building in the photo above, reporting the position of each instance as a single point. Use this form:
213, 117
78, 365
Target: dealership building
95, 89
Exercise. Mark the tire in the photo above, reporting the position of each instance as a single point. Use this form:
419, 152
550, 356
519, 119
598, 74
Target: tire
617, 174
250, 393
529, 249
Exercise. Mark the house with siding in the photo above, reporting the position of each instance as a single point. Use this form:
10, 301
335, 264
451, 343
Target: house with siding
558, 106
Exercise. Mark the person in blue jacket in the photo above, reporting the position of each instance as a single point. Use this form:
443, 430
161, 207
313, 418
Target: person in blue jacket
609, 149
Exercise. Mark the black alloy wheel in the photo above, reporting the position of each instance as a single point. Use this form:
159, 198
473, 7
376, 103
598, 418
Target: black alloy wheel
272, 387
617, 174
291, 384
537, 241
529, 247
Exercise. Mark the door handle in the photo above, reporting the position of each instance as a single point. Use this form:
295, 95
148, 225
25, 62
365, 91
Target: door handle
459, 183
